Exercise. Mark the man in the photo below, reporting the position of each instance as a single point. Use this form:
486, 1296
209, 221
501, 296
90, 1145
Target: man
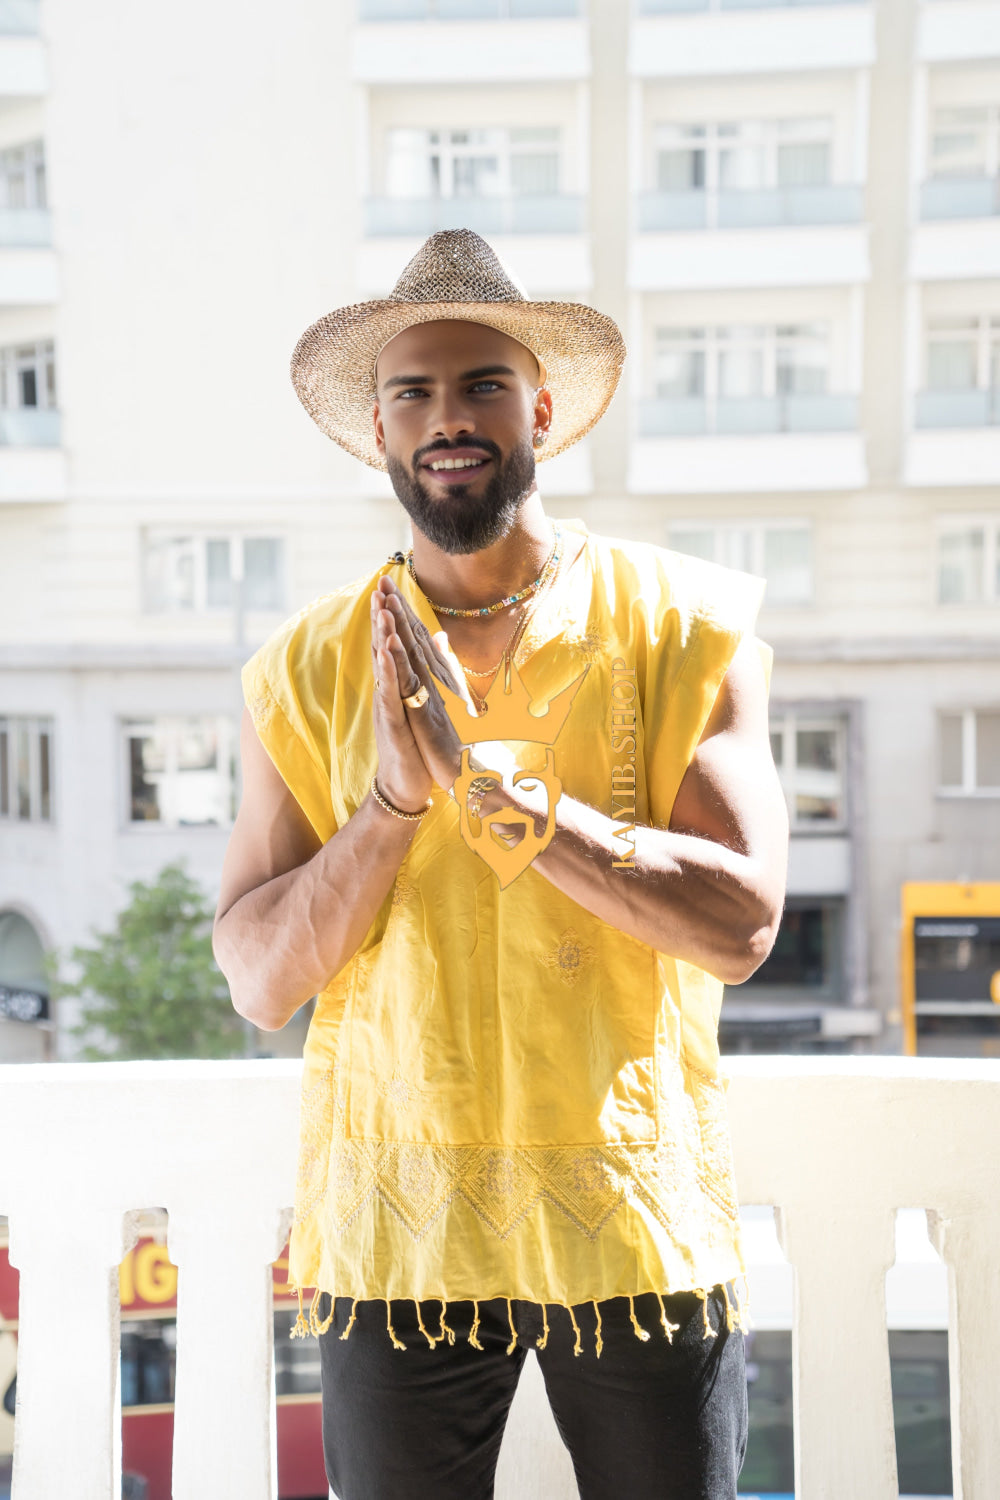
515, 859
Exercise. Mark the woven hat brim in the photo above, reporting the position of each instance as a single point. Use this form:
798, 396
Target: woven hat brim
333, 362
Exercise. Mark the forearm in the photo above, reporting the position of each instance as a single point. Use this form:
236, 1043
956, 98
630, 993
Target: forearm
284, 941
697, 900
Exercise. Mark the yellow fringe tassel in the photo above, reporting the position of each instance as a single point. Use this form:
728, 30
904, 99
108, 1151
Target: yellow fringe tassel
600, 1340
513, 1331
316, 1328
730, 1319
473, 1332
668, 1328
300, 1329
352, 1320
540, 1343
420, 1324
640, 1332
396, 1343
446, 1332
709, 1330
578, 1346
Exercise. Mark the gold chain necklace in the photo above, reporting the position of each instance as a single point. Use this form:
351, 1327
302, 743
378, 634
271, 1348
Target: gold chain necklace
509, 650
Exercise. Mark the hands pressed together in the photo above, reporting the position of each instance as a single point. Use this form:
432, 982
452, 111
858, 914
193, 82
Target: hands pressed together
417, 747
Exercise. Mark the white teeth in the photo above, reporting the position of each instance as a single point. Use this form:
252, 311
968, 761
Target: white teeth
456, 463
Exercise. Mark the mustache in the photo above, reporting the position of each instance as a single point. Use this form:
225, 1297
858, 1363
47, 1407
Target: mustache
482, 445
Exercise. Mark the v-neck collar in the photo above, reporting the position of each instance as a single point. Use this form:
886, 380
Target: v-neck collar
570, 599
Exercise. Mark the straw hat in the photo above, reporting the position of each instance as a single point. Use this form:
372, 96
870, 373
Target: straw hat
456, 274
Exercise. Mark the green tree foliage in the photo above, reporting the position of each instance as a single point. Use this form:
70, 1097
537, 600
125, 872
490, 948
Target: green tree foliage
150, 987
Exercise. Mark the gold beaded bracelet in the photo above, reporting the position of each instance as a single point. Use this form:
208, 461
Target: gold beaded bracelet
410, 817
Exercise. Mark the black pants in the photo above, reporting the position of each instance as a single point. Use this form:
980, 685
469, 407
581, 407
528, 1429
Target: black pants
648, 1419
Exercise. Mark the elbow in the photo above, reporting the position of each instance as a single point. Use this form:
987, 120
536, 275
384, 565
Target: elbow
254, 1002
754, 946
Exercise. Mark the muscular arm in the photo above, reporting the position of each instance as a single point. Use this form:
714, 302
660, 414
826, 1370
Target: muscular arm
709, 889
293, 911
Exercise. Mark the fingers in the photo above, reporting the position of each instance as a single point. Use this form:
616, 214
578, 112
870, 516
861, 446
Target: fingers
412, 631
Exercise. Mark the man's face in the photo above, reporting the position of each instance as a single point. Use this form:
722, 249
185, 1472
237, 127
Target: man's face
466, 394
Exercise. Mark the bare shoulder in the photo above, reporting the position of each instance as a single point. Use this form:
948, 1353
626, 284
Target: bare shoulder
271, 835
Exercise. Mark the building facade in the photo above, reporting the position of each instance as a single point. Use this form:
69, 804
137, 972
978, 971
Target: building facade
792, 212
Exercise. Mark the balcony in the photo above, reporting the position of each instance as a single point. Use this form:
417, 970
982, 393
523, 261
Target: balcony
747, 445
544, 214
28, 427
957, 235
19, 17
745, 414
29, 275
827, 203
960, 198
956, 438
705, 38
465, 10
958, 31
495, 41
214, 1143
32, 464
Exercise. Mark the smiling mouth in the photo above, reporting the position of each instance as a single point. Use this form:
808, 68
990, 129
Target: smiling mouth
455, 470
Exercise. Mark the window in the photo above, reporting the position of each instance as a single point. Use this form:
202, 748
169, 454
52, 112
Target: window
195, 573
741, 155
969, 561
26, 769
22, 176
479, 163
807, 960
963, 354
180, 773
965, 142
28, 376
969, 752
780, 551
741, 360
810, 755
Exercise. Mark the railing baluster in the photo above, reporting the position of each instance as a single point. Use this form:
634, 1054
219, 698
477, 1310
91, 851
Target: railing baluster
843, 1445
68, 1418
225, 1336
967, 1243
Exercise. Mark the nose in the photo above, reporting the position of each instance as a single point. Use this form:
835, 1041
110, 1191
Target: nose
451, 419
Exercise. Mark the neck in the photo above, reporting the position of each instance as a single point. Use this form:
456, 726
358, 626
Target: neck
471, 579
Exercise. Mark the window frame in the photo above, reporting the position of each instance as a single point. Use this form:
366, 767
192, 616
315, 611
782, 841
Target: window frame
969, 789
199, 541
759, 530
37, 725
791, 720
147, 725
989, 525
448, 151
713, 340
983, 335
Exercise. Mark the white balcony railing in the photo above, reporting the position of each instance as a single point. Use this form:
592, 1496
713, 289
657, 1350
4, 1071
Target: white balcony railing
960, 198
465, 10
750, 208
836, 1144
544, 213
696, 416
18, 17
29, 427
966, 408
675, 7
25, 227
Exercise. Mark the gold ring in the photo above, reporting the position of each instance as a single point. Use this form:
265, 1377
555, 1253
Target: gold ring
417, 699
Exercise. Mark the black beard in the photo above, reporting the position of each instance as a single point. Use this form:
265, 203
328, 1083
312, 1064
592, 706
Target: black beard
468, 525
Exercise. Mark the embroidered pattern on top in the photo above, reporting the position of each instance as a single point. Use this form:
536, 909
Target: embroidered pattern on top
570, 957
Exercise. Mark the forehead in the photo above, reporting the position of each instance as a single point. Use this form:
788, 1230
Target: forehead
447, 347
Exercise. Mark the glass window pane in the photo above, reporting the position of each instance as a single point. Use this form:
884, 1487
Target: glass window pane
959, 142
534, 174
218, 573
960, 565
147, 761
737, 548
988, 750
777, 746
741, 362
695, 541
28, 387
44, 775
951, 750
23, 771
199, 792
951, 364
788, 564
818, 781
680, 171
263, 573
802, 359
803, 163
4, 772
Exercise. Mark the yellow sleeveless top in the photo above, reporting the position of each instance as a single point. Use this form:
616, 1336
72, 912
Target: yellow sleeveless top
503, 1095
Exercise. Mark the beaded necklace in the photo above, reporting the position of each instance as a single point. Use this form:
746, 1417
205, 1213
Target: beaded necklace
492, 609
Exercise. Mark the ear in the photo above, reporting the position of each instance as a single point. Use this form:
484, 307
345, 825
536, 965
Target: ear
379, 434
542, 414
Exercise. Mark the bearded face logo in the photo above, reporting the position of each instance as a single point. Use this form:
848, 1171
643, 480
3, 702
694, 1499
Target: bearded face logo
494, 836
507, 839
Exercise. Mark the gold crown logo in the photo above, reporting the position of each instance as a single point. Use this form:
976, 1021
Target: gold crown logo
507, 715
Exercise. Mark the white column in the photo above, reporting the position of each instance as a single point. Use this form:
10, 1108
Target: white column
840, 1348
225, 1442
967, 1243
68, 1417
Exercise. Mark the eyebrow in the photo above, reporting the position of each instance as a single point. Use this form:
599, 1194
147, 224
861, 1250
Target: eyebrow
479, 374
